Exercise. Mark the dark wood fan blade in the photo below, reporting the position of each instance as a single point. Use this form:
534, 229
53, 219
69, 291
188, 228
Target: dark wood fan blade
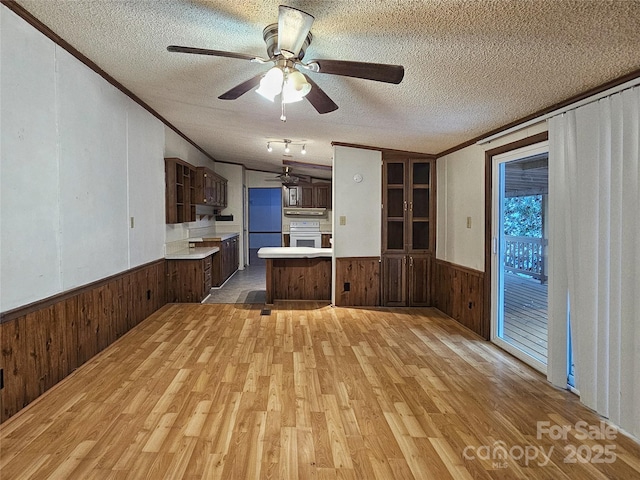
204, 51
320, 100
379, 72
241, 89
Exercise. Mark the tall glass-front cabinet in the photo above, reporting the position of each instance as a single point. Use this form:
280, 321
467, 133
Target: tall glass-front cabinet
408, 231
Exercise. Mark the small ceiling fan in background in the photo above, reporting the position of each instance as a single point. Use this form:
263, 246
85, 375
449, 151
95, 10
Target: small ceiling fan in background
287, 42
286, 177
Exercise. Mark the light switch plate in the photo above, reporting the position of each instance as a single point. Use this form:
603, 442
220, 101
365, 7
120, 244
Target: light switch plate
343, 220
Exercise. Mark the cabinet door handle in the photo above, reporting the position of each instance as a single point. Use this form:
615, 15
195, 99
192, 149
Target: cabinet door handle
405, 205
411, 262
404, 261
411, 206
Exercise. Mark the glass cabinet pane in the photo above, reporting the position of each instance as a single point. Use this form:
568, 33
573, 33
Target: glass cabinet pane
395, 202
420, 201
420, 235
395, 235
395, 174
421, 173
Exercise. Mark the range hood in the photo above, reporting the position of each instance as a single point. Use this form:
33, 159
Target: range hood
305, 212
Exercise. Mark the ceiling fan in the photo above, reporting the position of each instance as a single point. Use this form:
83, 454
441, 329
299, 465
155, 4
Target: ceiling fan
286, 177
287, 42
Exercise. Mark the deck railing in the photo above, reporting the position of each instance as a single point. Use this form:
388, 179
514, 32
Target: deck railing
525, 255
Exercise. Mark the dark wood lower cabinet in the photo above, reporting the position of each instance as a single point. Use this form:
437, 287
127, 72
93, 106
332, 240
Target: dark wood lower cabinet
405, 280
189, 280
419, 273
226, 261
394, 280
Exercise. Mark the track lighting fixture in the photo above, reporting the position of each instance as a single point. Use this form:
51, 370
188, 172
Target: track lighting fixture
287, 145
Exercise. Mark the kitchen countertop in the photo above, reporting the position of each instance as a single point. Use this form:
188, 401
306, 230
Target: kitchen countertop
196, 253
214, 237
294, 252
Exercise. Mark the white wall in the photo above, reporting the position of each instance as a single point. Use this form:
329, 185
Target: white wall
359, 203
79, 158
460, 180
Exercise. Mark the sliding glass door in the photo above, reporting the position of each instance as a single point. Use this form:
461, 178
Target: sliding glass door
519, 269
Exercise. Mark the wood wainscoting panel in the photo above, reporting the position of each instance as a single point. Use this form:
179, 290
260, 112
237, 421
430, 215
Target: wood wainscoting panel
459, 292
357, 282
42, 343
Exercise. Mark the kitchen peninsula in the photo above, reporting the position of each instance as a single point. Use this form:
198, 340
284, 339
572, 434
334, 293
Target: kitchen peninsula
297, 273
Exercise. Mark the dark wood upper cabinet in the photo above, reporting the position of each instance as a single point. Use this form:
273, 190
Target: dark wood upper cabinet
310, 195
180, 185
211, 188
322, 195
187, 186
306, 196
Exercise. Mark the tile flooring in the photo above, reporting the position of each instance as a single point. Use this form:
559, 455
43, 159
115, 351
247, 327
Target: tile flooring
245, 286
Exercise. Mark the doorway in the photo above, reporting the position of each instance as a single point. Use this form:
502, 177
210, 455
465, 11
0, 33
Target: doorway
265, 220
519, 253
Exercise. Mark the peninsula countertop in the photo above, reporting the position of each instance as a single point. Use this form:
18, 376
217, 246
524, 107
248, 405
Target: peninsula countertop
294, 252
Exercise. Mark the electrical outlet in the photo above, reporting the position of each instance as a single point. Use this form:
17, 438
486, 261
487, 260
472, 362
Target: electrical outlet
468, 222
347, 286
131, 219
343, 220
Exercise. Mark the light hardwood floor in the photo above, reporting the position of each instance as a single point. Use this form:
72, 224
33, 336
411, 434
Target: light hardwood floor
307, 392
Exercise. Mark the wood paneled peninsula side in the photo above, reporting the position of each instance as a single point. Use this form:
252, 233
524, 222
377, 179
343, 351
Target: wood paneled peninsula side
297, 273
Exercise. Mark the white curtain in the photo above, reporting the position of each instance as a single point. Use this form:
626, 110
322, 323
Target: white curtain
595, 254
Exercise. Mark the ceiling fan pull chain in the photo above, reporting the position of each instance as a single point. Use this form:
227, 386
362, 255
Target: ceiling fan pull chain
283, 117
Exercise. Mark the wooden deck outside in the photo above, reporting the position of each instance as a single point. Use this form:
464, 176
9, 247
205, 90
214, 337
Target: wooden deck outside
525, 315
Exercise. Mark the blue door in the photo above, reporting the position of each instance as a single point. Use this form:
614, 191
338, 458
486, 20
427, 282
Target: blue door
265, 217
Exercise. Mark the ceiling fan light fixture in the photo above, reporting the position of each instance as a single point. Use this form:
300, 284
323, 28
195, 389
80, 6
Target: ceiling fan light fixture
286, 147
293, 27
271, 84
304, 150
295, 87
269, 149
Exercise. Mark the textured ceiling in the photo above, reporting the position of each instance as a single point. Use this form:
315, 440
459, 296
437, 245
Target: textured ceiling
470, 66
